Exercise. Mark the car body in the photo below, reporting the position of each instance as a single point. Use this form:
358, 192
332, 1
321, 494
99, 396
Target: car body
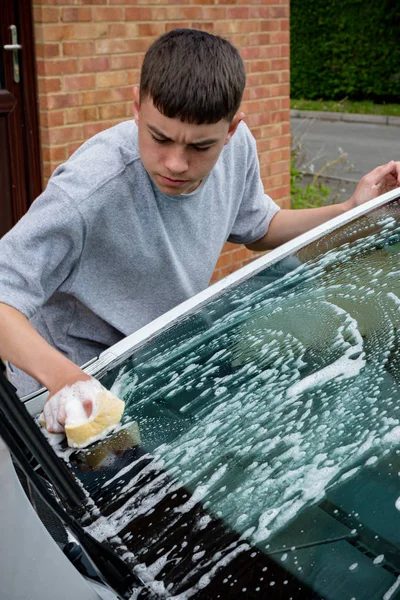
259, 455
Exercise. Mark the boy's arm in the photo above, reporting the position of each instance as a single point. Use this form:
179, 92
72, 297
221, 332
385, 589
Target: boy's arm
21, 345
288, 224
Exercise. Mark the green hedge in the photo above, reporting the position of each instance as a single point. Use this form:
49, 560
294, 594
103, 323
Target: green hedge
345, 48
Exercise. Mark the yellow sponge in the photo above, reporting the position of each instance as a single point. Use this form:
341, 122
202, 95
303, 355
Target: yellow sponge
107, 412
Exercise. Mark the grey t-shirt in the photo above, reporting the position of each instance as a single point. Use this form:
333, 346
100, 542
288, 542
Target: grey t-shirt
102, 252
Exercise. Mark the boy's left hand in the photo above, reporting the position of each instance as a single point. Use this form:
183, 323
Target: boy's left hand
377, 182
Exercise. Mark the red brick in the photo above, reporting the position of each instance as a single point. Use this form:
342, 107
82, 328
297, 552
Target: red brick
280, 90
95, 2
46, 14
150, 29
89, 65
285, 50
108, 13
259, 12
47, 50
113, 111
57, 67
279, 64
129, 61
269, 25
263, 145
56, 2
228, 246
133, 77
279, 37
73, 147
121, 30
53, 33
60, 100
52, 118
49, 84
96, 96
225, 259
54, 153
282, 141
65, 134
121, 46
73, 115
284, 76
201, 25
265, 171
250, 53
78, 48
271, 130
91, 129
279, 167
214, 13
79, 82
91, 113
240, 254
261, 91
238, 12
47, 171
123, 93
255, 119
111, 79
138, 14
284, 24
76, 14
279, 12
270, 51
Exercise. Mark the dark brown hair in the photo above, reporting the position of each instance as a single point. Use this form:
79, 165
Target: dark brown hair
194, 76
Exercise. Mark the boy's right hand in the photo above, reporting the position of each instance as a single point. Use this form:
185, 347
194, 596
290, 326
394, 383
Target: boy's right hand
54, 410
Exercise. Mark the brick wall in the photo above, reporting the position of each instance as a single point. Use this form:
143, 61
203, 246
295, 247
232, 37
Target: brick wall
89, 54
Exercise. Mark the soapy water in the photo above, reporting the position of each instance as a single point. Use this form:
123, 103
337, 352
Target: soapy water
290, 392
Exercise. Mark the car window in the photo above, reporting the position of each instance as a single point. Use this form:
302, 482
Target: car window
259, 455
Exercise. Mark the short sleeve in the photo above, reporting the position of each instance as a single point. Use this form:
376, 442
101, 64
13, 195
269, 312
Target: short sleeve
256, 209
41, 253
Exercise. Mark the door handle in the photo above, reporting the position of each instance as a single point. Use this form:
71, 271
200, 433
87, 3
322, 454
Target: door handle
14, 47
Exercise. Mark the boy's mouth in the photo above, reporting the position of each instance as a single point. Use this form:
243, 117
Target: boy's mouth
173, 182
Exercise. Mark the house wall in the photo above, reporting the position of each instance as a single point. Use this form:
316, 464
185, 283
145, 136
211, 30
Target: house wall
89, 54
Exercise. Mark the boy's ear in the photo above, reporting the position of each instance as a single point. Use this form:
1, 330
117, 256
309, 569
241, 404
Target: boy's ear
136, 104
234, 125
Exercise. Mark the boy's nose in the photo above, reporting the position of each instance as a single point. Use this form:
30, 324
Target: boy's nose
176, 161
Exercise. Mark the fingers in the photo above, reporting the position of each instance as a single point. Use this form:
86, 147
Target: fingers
88, 406
76, 401
52, 416
377, 176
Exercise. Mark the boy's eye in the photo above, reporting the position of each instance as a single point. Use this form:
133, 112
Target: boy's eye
197, 148
201, 148
159, 140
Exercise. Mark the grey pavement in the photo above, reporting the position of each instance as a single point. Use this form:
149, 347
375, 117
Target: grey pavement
349, 117
367, 145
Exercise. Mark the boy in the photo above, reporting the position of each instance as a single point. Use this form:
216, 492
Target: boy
134, 222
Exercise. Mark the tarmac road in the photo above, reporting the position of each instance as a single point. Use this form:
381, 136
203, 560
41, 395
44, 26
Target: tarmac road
367, 146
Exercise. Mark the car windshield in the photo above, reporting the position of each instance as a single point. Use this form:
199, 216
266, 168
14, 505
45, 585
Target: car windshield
259, 455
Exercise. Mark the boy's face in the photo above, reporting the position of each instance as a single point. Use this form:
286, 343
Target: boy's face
178, 155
